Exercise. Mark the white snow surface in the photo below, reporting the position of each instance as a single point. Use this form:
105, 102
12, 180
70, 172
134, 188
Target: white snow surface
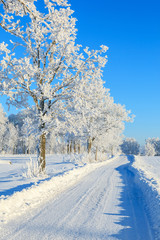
149, 168
13, 170
62, 173
76, 200
147, 177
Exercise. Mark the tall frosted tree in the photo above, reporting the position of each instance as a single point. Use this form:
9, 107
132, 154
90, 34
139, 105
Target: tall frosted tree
42, 64
97, 118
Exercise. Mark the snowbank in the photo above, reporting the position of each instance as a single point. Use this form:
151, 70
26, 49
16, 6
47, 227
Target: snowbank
147, 176
29, 198
149, 167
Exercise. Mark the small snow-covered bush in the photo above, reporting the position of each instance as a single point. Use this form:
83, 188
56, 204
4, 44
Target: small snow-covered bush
33, 170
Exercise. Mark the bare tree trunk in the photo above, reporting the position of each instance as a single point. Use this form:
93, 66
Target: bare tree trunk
89, 144
42, 144
24, 149
71, 146
42, 156
96, 155
68, 147
74, 146
79, 148
14, 150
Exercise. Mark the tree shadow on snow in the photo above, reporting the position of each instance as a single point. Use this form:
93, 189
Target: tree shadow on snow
18, 188
133, 218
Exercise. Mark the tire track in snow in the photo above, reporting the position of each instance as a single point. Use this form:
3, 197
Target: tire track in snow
86, 199
95, 208
134, 207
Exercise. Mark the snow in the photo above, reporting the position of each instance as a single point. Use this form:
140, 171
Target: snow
13, 176
149, 167
77, 201
28, 191
147, 172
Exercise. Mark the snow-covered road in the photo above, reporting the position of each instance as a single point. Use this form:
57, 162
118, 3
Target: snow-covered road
105, 204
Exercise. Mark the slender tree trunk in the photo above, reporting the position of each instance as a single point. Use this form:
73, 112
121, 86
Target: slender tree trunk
68, 147
42, 152
96, 155
71, 146
89, 144
16, 149
74, 146
79, 148
42, 144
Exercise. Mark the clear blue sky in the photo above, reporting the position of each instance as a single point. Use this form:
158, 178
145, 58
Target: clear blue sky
131, 30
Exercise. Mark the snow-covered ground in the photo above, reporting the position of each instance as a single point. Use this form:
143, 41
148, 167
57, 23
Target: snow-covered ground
114, 199
149, 168
147, 172
20, 193
14, 174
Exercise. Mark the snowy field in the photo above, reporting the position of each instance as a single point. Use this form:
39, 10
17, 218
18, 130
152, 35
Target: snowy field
115, 199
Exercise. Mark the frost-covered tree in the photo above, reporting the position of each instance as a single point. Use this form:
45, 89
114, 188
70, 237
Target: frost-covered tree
51, 143
10, 139
130, 146
149, 149
111, 125
26, 125
50, 64
96, 117
8, 134
28, 136
152, 147
85, 109
110, 142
